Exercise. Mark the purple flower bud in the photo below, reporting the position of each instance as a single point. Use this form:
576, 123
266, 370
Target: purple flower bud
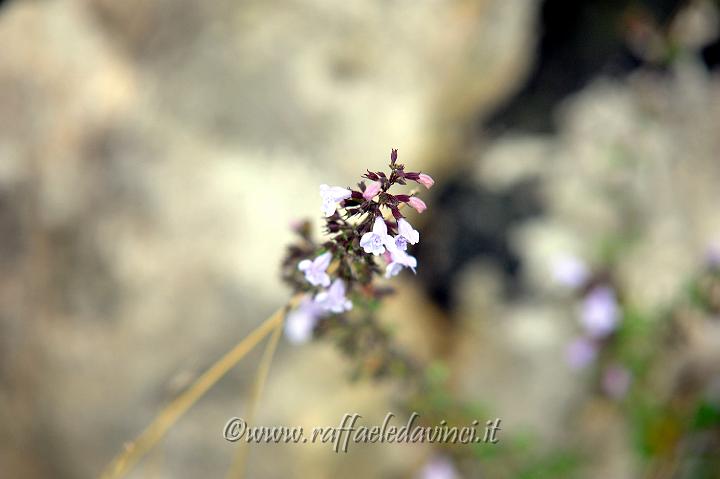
372, 190
396, 212
393, 156
372, 176
417, 204
600, 312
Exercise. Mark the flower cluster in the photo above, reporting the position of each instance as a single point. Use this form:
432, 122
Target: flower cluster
599, 316
369, 235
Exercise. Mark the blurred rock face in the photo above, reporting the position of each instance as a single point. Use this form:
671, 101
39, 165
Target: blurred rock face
633, 174
320, 78
152, 155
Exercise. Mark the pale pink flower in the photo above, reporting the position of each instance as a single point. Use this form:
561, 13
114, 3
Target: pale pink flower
417, 204
372, 190
425, 180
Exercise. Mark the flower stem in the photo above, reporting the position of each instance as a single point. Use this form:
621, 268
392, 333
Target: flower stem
237, 470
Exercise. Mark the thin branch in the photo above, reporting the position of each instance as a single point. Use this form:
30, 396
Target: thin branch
138, 448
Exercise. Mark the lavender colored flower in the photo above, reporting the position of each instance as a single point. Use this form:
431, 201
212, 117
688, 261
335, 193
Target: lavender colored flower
372, 190
581, 352
331, 196
570, 271
399, 259
300, 322
333, 299
315, 270
438, 467
400, 242
616, 381
600, 312
406, 230
374, 241
417, 204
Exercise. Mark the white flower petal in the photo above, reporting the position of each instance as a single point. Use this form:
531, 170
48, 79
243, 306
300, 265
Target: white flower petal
380, 228
407, 231
366, 241
329, 208
339, 194
331, 195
